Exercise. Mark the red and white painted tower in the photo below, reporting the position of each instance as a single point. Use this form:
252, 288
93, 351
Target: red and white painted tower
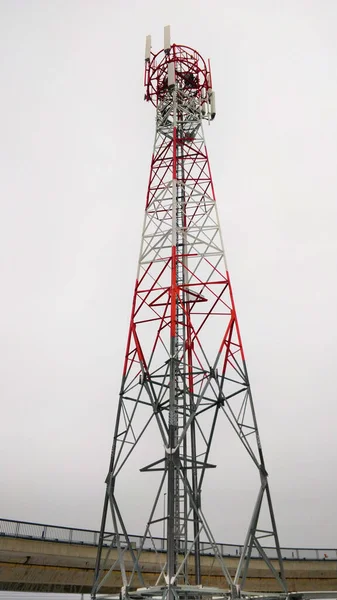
184, 367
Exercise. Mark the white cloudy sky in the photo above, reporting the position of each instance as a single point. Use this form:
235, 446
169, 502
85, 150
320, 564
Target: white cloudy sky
75, 145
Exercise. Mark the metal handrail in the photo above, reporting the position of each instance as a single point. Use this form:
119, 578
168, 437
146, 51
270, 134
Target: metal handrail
74, 535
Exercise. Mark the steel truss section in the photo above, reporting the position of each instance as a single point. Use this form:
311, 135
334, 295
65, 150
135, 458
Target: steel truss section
184, 367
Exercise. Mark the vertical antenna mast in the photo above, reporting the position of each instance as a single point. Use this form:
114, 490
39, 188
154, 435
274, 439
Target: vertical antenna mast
184, 366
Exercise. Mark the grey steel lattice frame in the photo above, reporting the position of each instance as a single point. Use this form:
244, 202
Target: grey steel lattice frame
179, 380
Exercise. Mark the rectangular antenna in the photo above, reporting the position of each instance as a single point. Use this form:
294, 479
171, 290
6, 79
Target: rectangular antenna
148, 47
167, 38
171, 79
213, 111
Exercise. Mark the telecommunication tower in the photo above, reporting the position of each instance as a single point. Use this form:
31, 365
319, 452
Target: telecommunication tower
184, 368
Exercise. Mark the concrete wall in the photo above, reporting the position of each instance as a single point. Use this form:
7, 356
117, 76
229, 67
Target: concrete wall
36, 565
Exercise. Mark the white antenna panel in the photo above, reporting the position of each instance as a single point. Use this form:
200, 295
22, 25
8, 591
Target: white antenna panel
213, 105
167, 38
171, 78
148, 47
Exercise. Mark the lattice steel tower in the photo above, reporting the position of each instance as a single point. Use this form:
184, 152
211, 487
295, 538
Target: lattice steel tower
184, 365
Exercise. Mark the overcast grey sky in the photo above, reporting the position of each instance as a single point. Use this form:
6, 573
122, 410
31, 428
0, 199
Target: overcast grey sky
75, 146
